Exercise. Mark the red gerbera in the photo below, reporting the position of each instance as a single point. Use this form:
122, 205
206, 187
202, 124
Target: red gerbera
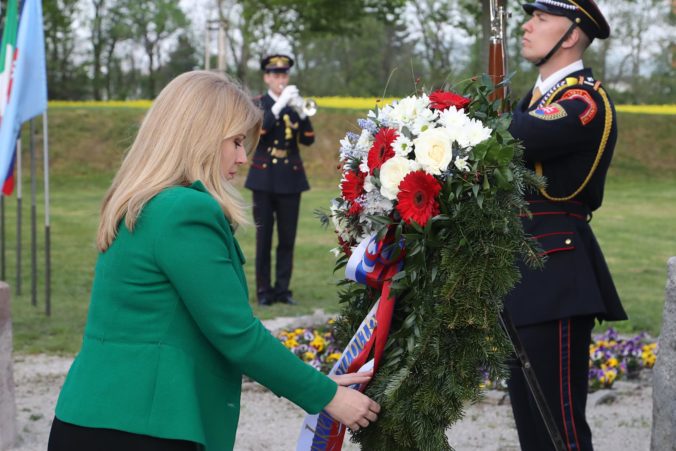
355, 209
417, 197
381, 150
442, 100
353, 185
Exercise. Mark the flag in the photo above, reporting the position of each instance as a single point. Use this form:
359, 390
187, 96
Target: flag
6, 57
27, 78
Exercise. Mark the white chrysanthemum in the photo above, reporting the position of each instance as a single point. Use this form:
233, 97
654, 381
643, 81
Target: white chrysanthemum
337, 223
454, 121
452, 118
424, 121
392, 172
383, 115
402, 146
364, 166
374, 203
434, 150
461, 164
473, 133
364, 142
368, 183
407, 110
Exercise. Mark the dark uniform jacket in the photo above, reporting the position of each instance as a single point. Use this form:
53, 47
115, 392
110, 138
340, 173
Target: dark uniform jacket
569, 136
276, 166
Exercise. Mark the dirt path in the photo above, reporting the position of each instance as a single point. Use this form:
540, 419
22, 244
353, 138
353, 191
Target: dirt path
270, 423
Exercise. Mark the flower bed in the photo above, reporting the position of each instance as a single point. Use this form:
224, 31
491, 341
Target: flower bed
313, 345
611, 357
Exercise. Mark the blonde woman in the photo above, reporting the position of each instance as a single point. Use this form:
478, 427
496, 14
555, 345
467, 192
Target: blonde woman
170, 331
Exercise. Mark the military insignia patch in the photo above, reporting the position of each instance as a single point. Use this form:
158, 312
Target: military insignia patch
550, 112
590, 112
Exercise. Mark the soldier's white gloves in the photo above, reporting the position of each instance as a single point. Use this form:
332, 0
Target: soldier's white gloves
289, 93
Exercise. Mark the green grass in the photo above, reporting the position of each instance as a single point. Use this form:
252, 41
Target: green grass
636, 226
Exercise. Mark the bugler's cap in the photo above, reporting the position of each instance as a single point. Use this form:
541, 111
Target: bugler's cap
585, 12
276, 63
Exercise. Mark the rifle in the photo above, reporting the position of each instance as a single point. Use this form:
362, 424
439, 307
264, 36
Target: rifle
497, 57
497, 69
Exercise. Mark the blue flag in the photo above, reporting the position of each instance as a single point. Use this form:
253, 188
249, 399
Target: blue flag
28, 81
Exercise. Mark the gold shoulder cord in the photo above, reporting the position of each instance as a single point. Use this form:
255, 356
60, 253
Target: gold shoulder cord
602, 147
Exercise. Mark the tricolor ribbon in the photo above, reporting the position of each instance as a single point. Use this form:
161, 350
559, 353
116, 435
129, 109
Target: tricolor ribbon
370, 264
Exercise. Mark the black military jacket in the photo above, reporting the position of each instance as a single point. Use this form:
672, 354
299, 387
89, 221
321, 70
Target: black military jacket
569, 135
276, 166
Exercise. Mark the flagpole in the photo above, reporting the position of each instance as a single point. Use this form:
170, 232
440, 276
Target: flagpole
3, 260
19, 196
48, 267
34, 246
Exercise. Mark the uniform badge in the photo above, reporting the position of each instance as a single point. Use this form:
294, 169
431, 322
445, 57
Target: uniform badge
590, 112
550, 112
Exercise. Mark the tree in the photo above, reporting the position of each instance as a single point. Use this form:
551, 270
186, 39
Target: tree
181, 59
152, 23
65, 79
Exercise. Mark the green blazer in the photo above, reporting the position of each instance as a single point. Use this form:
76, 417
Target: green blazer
170, 332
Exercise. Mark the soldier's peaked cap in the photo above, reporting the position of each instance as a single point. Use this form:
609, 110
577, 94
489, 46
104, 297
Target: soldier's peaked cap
585, 13
276, 63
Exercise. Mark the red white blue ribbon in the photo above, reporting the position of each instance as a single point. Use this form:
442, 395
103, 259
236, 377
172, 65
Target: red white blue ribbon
370, 264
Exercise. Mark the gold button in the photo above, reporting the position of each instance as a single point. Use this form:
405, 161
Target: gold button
568, 241
274, 161
265, 165
286, 161
276, 141
295, 168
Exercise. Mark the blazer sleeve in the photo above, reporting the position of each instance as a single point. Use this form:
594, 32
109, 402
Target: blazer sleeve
192, 250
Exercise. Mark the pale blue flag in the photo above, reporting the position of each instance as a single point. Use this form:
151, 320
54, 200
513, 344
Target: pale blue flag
28, 92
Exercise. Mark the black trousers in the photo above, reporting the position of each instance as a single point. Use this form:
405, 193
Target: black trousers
69, 437
284, 208
559, 354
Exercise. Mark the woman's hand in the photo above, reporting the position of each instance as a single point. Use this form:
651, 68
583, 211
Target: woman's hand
352, 408
353, 378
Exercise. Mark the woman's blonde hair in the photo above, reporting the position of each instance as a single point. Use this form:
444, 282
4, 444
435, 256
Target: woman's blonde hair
179, 142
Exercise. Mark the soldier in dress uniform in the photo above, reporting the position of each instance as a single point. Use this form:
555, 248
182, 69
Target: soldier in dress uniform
568, 128
277, 178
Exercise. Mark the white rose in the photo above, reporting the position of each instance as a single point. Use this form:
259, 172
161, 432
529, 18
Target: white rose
434, 150
392, 172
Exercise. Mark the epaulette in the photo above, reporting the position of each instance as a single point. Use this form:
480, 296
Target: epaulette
589, 81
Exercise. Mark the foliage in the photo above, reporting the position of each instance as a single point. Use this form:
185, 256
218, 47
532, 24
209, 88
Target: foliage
458, 260
351, 47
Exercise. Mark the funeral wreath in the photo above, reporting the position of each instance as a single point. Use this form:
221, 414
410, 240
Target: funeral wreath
428, 218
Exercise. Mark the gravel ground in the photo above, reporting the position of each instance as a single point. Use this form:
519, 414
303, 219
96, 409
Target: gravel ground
620, 418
